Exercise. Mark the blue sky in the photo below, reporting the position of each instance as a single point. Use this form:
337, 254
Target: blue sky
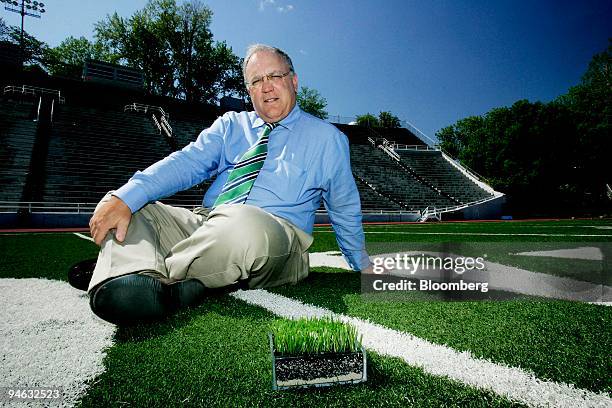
429, 62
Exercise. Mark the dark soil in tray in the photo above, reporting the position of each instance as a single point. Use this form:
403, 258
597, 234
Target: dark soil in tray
318, 366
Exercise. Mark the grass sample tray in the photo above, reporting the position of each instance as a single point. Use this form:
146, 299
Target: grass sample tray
316, 353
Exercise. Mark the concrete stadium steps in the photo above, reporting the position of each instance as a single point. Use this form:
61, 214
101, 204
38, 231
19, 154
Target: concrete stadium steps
360, 134
186, 128
433, 167
17, 138
92, 151
399, 135
372, 200
391, 180
356, 134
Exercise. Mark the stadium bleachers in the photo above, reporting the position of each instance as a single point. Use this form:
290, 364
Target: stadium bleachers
438, 171
17, 138
92, 151
372, 199
391, 180
93, 148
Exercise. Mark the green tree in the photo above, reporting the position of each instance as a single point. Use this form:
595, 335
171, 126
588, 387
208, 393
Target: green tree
384, 119
311, 101
33, 49
545, 156
591, 103
3, 29
526, 151
67, 59
367, 120
174, 47
388, 120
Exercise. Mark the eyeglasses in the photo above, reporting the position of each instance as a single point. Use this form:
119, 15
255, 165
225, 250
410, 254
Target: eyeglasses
274, 78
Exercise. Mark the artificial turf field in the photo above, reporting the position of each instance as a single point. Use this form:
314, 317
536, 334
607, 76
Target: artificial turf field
217, 354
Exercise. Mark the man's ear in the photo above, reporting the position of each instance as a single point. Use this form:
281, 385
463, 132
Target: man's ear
294, 80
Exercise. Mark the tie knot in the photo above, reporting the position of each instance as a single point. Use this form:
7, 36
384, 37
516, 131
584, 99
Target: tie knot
271, 126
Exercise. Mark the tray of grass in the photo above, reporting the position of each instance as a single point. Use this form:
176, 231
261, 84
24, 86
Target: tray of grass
313, 352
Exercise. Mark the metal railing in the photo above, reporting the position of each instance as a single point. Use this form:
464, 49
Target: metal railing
398, 146
39, 207
385, 146
47, 207
139, 107
379, 212
35, 91
156, 123
352, 120
471, 174
162, 124
441, 210
166, 126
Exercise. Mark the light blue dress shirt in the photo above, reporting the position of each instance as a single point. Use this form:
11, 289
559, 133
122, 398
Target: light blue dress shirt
308, 160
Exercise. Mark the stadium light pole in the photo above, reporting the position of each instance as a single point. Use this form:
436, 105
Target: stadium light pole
26, 8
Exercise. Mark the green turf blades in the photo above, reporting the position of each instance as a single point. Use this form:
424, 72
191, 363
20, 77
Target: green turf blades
218, 356
314, 335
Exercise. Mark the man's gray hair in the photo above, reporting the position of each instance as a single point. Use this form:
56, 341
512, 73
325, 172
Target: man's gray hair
263, 47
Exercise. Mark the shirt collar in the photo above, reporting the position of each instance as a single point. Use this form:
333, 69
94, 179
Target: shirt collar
288, 123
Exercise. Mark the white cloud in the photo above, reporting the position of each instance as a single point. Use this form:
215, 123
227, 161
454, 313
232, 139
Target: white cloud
263, 4
285, 9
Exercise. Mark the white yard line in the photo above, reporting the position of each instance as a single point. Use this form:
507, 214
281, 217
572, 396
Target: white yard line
84, 237
585, 253
510, 382
501, 234
49, 337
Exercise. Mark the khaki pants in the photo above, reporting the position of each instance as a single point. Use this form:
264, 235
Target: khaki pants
229, 244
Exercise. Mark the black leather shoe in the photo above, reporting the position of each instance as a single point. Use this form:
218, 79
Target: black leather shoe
130, 299
136, 298
79, 274
187, 293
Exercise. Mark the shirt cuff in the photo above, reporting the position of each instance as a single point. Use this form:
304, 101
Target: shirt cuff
132, 195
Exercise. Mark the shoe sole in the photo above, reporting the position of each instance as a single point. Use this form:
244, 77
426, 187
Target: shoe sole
187, 293
131, 299
79, 274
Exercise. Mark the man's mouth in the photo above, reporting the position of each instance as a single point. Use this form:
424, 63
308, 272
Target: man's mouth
269, 100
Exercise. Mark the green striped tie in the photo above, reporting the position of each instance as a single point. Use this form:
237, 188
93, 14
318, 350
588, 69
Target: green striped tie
243, 175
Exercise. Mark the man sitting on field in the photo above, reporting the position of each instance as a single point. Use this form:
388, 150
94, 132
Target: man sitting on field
273, 168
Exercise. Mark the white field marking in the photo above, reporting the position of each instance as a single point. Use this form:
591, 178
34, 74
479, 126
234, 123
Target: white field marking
332, 259
515, 225
601, 303
84, 237
483, 234
49, 337
586, 253
499, 276
510, 382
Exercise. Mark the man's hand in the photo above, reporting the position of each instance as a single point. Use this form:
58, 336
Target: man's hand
368, 270
113, 214
380, 270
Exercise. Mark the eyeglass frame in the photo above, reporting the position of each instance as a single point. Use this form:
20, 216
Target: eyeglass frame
270, 77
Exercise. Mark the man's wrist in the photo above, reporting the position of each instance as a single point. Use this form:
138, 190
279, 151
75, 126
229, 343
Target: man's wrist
132, 195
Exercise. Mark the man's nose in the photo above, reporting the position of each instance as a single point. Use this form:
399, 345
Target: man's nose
267, 85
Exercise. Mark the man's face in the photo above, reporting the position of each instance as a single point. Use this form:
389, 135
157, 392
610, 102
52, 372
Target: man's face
272, 99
